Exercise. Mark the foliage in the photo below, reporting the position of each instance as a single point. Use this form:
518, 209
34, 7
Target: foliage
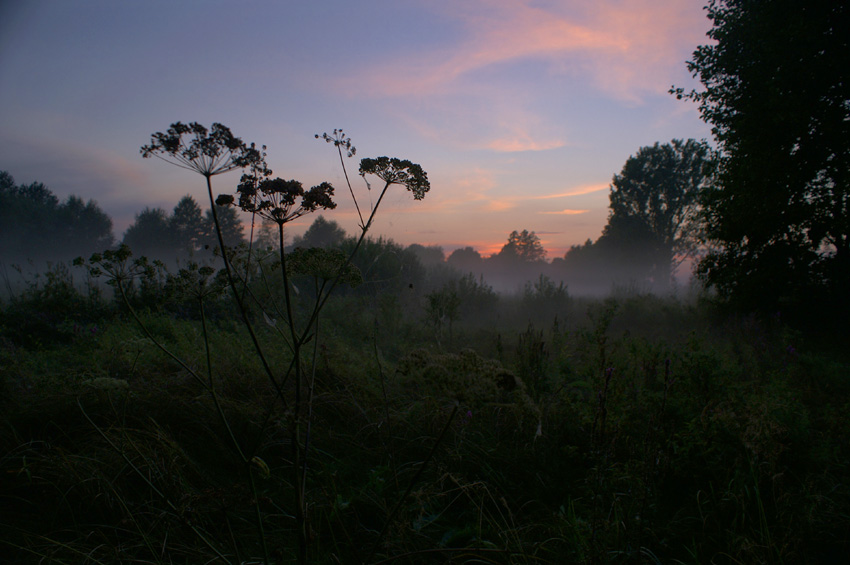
386, 265
321, 233
524, 247
430, 255
185, 234
465, 260
643, 427
150, 234
232, 230
186, 224
775, 91
546, 297
35, 225
658, 191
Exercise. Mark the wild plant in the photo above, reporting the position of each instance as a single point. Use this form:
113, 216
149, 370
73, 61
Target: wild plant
214, 152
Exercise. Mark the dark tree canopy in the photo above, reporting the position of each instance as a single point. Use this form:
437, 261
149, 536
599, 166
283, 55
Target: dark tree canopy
187, 224
654, 203
322, 233
232, 230
150, 234
429, 255
465, 260
186, 232
35, 225
776, 91
524, 246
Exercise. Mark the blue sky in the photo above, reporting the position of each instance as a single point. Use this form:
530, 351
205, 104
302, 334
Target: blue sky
520, 111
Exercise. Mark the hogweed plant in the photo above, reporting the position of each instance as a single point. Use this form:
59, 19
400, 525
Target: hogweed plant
215, 151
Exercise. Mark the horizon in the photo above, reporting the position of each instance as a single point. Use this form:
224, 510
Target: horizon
520, 112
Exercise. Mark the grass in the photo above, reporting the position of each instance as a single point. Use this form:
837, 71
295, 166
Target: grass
634, 429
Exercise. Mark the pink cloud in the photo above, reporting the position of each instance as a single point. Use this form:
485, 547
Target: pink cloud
567, 212
625, 47
523, 143
588, 189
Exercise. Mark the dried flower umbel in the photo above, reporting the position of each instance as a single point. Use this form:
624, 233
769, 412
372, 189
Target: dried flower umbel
209, 152
397, 171
280, 200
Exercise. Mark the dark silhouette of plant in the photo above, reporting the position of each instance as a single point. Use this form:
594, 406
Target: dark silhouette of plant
397, 171
217, 151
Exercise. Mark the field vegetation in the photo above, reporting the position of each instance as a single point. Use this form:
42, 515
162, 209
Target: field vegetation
529, 428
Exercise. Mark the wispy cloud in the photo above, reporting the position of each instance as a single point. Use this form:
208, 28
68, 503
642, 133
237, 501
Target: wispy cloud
624, 47
523, 143
623, 50
588, 189
566, 212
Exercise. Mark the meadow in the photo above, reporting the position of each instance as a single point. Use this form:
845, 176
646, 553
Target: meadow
535, 427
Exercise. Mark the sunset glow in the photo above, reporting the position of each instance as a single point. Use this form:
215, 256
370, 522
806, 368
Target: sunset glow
521, 112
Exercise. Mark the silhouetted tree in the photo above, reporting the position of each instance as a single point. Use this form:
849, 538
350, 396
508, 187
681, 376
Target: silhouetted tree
466, 260
187, 225
150, 235
83, 228
776, 85
385, 265
523, 246
232, 230
34, 225
430, 255
321, 233
654, 205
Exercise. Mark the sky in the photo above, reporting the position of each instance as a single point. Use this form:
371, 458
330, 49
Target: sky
520, 111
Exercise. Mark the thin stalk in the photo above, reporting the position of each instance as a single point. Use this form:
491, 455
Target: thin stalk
259, 516
348, 182
310, 392
239, 302
300, 518
213, 393
320, 303
147, 481
410, 485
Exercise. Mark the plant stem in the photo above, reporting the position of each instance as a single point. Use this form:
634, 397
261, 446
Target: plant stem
239, 302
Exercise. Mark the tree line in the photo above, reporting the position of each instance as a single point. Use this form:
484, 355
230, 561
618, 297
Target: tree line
764, 216
651, 228
36, 227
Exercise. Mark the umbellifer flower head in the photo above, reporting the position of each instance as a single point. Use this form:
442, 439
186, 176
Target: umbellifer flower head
397, 171
278, 199
209, 152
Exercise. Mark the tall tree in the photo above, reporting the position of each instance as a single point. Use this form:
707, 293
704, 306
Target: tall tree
776, 91
321, 233
150, 234
232, 230
465, 260
654, 203
430, 255
83, 227
524, 246
35, 225
187, 225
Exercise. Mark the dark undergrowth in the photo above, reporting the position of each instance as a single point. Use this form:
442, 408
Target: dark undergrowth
629, 430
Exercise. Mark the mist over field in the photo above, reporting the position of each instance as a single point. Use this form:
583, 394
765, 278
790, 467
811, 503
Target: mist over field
529, 314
